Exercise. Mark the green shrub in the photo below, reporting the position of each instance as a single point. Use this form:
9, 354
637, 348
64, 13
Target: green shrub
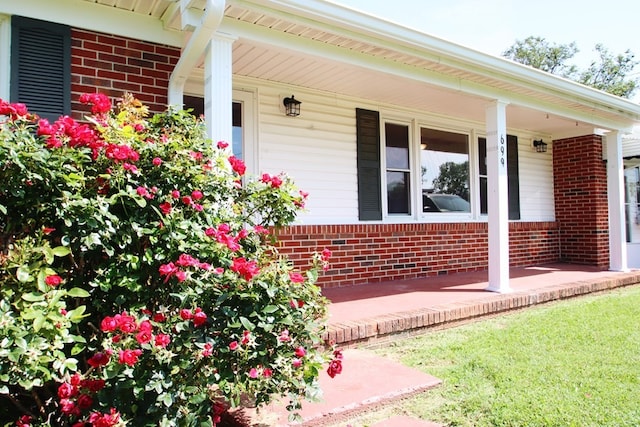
140, 281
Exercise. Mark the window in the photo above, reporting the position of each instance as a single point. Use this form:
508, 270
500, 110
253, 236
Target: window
441, 178
398, 170
196, 103
444, 171
41, 66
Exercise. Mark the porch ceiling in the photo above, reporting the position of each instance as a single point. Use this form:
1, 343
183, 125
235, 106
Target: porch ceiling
342, 52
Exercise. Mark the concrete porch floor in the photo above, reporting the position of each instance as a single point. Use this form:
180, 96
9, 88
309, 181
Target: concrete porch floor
371, 314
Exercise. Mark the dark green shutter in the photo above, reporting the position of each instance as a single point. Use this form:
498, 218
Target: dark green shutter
41, 66
513, 177
368, 152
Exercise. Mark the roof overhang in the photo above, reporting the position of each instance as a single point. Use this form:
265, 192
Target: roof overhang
323, 46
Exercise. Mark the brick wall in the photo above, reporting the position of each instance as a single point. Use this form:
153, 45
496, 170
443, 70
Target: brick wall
364, 253
114, 65
580, 192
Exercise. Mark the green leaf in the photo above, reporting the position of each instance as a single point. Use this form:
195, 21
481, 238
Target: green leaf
24, 274
270, 309
140, 201
33, 297
3, 209
78, 293
38, 322
61, 251
246, 323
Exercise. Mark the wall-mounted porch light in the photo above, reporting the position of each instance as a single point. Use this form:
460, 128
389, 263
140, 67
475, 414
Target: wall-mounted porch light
540, 146
292, 106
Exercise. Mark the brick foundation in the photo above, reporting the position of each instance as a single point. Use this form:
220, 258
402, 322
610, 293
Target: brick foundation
113, 65
580, 192
365, 253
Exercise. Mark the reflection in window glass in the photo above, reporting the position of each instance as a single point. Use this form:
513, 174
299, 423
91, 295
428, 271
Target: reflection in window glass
398, 173
444, 168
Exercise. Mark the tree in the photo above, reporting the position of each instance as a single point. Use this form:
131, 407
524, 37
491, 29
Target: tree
453, 179
536, 52
609, 73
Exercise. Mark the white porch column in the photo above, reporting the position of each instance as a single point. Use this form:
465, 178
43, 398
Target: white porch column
218, 88
497, 197
5, 49
615, 191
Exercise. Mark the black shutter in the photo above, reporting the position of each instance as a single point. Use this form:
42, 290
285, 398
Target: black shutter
513, 177
368, 152
41, 66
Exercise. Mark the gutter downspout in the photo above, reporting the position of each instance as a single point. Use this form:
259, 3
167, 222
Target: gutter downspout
194, 49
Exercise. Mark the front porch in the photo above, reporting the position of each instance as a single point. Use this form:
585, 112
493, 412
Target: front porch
376, 313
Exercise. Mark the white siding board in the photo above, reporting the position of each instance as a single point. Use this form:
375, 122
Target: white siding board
318, 150
536, 183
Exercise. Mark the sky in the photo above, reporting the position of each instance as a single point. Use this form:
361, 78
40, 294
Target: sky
492, 26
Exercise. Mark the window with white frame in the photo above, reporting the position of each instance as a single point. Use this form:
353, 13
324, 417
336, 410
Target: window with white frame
439, 174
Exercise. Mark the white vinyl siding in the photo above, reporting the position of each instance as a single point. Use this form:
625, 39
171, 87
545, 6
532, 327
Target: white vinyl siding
318, 150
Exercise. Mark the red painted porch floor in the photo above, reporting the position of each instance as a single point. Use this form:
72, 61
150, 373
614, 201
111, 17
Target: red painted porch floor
372, 314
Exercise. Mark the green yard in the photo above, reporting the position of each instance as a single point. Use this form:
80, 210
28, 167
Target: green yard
572, 363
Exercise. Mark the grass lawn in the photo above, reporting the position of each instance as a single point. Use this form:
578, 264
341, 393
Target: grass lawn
571, 363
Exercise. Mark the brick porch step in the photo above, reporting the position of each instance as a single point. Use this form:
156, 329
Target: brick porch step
367, 382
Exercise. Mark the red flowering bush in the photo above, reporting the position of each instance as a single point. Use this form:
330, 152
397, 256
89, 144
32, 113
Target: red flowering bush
138, 276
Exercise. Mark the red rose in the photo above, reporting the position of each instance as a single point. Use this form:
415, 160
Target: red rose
85, 401
185, 314
335, 367
143, 337
129, 357
99, 359
162, 340
53, 280
233, 345
300, 352
199, 318
66, 391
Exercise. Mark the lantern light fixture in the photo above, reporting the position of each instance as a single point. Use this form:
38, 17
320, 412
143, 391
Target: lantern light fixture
292, 106
540, 146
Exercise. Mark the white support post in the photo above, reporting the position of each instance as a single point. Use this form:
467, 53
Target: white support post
615, 192
5, 57
218, 88
497, 197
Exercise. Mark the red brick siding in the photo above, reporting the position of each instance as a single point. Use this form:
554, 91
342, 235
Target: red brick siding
365, 253
114, 65
580, 192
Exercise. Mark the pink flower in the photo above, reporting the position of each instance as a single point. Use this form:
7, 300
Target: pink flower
253, 373
66, 390
199, 318
185, 314
144, 337
126, 323
175, 194
296, 277
296, 363
267, 373
24, 421
187, 200
53, 280
48, 230
162, 340
181, 276
326, 254
196, 195
222, 145
157, 161
129, 357
108, 324
284, 336
246, 269
101, 103
68, 407
233, 345
208, 350
165, 208
300, 352
246, 336
237, 165
105, 420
